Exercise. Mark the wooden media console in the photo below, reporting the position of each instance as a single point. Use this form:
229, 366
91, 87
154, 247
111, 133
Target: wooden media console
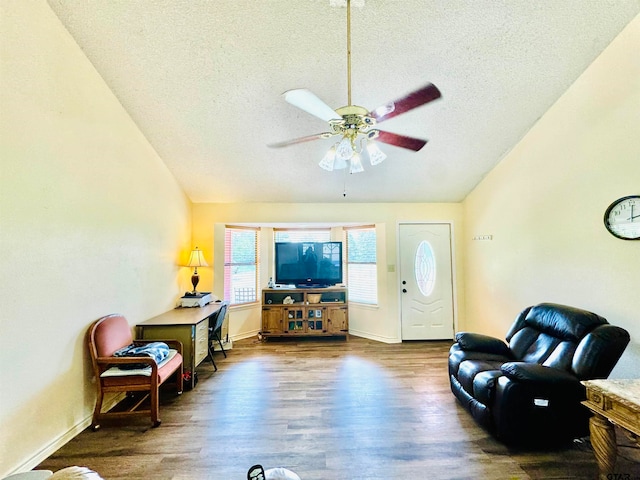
305, 312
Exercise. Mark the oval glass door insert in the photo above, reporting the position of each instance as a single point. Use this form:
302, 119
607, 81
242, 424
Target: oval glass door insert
425, 268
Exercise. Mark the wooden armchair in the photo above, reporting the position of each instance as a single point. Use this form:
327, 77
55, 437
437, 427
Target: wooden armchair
111, 333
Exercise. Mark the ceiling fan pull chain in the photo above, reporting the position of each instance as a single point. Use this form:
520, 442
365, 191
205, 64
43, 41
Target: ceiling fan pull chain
344, 188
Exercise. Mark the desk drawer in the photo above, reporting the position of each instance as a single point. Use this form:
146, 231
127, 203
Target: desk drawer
202, 341
596, 398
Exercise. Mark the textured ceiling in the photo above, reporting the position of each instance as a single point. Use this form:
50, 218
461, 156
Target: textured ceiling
203, 82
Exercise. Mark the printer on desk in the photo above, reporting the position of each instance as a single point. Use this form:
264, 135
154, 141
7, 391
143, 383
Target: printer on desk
199, 299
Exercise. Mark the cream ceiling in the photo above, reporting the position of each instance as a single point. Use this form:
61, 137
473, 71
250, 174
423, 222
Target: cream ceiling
203, 82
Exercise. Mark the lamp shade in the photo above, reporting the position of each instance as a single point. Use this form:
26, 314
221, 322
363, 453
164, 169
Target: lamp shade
196, 259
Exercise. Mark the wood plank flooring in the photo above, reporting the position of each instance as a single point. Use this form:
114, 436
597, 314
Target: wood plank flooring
326, 409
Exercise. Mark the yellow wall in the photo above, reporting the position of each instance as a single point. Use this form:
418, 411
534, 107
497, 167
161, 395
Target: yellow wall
544, 206
379, 323
91, 222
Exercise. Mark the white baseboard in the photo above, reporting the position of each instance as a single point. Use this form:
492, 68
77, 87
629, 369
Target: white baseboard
60, 441
353, 332
52, 447
242, 336
228, 345
377, 338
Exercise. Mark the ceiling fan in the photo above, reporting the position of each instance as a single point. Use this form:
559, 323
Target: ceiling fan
355, 125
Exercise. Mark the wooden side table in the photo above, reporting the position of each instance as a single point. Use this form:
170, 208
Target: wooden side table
613, 402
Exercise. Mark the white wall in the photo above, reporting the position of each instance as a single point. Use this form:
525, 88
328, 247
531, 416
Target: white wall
91, 223
379, 323
544, 205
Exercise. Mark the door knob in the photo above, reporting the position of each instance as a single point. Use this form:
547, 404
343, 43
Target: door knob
404, 290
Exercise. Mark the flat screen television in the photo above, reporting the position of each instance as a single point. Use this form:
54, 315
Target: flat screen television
308, 264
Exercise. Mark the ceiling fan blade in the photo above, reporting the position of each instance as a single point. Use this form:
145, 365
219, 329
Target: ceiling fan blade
308, 138
307, 101
402, 141
426, 94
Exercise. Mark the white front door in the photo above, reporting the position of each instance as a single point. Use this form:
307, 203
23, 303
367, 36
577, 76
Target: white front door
426, 281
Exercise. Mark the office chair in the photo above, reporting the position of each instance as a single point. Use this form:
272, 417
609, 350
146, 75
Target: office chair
215, 327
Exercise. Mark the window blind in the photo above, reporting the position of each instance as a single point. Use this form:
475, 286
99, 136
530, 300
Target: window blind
241, 265
302, 235
362, 269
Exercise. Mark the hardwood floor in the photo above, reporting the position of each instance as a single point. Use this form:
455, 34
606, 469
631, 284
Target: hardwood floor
326, 409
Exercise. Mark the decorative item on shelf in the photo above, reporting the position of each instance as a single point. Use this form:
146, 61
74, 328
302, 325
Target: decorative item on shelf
196, 259
271, 284
314, 297
288, 300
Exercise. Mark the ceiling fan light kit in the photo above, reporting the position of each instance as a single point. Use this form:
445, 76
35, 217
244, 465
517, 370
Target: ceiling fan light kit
376, 156
354, 125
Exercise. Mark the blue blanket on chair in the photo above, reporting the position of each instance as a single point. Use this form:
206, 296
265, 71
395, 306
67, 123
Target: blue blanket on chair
156, 350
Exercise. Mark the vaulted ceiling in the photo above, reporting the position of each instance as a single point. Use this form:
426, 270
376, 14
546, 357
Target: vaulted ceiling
203, 80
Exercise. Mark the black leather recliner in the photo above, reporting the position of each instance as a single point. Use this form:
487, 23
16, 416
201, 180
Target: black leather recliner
528, 392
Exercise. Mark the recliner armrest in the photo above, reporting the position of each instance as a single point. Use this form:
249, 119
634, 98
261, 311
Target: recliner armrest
476, 342
538, 374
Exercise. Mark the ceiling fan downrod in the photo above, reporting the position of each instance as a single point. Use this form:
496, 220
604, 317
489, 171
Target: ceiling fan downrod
348, 52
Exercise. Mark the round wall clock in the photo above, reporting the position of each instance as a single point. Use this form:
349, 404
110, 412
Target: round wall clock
622, 218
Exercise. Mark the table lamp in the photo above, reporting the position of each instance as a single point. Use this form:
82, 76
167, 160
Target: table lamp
196, 259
